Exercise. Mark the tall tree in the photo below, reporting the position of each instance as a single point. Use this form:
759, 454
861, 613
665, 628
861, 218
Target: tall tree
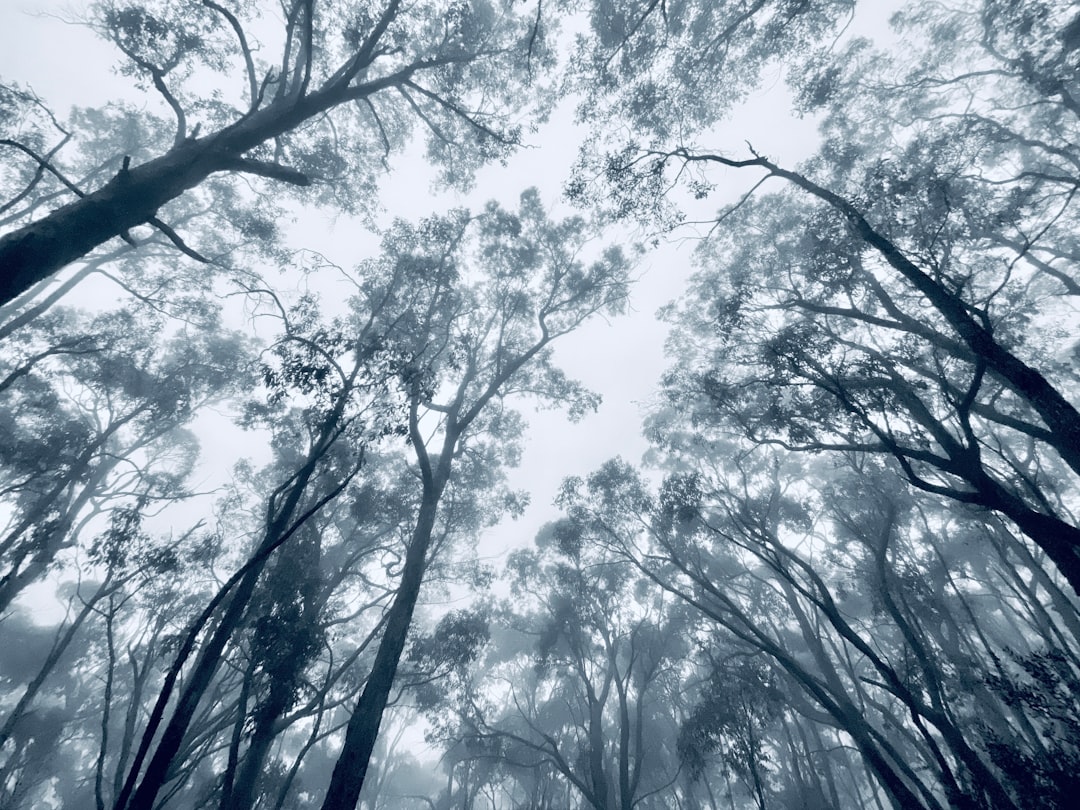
350, 82
486, 343
95, 414
577, 688
894, 294
861, 646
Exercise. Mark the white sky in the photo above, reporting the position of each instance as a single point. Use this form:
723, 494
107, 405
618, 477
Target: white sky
66, 64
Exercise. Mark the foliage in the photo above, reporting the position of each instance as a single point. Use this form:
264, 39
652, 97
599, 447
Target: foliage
244, 492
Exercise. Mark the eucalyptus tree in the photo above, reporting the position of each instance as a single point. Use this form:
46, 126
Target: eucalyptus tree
832, 357
94, 418
732, 717
348, 85
480, 343
905, 294
454, 317
330, 394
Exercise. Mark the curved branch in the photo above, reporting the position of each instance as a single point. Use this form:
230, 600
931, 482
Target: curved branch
253, 81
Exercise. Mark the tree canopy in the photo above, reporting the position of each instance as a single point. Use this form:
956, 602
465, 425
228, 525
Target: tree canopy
258, 481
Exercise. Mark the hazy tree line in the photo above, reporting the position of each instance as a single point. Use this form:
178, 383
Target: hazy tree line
847, 574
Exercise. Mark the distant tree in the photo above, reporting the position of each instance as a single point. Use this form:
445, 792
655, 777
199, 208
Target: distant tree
575, 689
737, 704
94, 416
862, 643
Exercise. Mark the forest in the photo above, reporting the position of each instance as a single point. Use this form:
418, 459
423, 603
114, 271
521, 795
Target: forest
264, 419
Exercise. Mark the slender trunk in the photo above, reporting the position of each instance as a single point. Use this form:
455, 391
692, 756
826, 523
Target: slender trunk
110, 651
826, 760
752, 764
598, 775
279, 528
290, 777
887, 765
262, 737
157, 771
920, 713
625, 791
363, 729
228, 779
138, 685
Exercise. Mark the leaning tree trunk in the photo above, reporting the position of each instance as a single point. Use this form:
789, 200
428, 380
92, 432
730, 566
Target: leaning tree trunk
133, 197
279, 529
363, 729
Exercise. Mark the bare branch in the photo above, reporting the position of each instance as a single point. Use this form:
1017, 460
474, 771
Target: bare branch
382, 133
44, 164
366, 53
458, 111
174, 237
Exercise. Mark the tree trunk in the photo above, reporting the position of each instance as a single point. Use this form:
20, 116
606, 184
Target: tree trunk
363, 729
134, 195
278, 529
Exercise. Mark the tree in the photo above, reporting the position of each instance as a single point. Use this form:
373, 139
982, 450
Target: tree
738, 702
485, 344
860, 644
846, 574
348, 372
94, 418
575, 690
903, 322
350, 83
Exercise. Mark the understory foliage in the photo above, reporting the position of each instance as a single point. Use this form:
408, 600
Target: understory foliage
246, 488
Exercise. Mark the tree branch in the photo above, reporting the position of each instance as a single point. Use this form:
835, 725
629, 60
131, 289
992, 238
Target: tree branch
174, 237
249, 63
274, 171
